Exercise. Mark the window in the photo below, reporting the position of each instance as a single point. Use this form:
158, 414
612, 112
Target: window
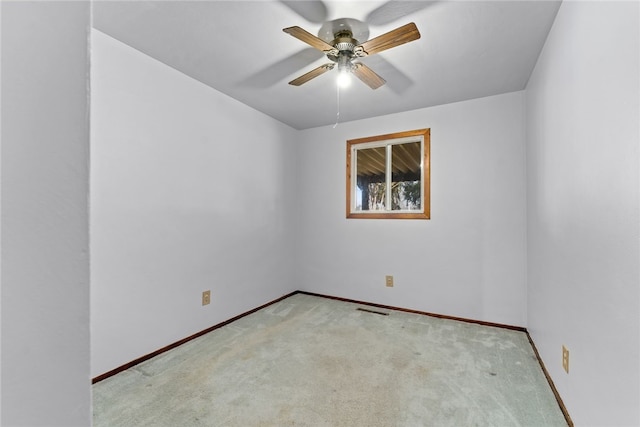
388, 176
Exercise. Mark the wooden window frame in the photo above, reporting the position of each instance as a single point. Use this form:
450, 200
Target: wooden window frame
423, 135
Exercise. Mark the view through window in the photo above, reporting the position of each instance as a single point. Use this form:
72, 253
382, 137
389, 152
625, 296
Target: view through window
388, 176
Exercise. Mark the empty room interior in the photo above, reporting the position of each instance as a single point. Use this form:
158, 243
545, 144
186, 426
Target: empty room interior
171, 168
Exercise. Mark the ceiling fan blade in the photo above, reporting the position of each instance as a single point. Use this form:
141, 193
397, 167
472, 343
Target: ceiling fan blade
397, 81
309, 38
405, 34
281, 68
312, 11
311, 74
393, 10
367, 75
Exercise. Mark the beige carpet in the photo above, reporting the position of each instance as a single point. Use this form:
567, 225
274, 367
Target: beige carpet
312, 361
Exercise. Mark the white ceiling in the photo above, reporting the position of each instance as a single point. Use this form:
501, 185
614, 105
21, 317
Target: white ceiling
468, 49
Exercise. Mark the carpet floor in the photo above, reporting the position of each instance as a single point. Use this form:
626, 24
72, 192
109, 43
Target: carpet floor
313, 361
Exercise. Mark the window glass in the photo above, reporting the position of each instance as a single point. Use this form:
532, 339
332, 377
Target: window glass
406, 176
388, 176
371, 179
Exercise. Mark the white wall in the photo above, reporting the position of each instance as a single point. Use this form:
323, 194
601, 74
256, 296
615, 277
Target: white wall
468, 260
583, 198
45, 232
191, 190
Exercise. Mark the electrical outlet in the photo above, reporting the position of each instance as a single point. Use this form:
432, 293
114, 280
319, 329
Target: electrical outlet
389, 281
206, 297
565, 359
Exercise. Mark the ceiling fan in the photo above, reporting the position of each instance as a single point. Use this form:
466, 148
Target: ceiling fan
345, 51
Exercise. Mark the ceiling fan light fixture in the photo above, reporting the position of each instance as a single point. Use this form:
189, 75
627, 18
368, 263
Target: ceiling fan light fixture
344, 70
343, 79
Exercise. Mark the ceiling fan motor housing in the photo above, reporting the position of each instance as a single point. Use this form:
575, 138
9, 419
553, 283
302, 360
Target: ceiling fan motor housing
343, 44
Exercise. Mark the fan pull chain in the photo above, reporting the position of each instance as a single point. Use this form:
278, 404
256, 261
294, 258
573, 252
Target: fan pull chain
338, 106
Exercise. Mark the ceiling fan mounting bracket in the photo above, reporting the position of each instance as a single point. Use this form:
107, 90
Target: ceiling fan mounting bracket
359, 52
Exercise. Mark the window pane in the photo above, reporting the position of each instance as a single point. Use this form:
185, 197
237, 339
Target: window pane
388, 176
370, 174
406, 188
